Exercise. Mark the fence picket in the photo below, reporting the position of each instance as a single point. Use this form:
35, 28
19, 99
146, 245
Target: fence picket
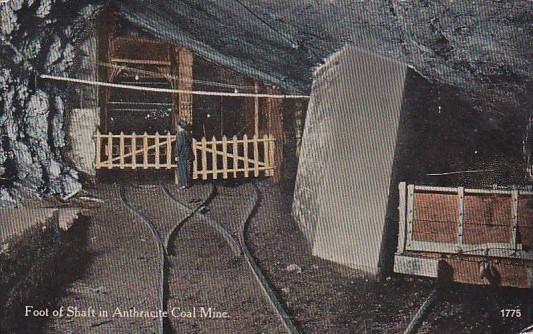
266, 154
121, 150
169, 150
214, 160
109, 151
195, 161
204, 159
98, 148
156, 143
224, 157
145, 151
245, 152
271, 144
256, 156
133, 151
235, 154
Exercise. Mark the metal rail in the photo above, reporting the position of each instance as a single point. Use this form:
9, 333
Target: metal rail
238, 247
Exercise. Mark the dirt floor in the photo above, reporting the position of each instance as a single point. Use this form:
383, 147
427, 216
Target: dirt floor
320, 296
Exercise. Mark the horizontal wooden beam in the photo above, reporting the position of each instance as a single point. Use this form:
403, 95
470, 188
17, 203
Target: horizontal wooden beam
141, 61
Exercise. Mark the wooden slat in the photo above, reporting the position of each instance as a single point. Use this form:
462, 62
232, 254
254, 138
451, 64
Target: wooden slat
266, 154
169, 150
410, 213
109, 151
245, 153
235, 154
121, 150
140, 61
256, 111
224, 157
256, 157
204, 159
98, 149
514, 218
461, 218
195, 161
402, 209
272, 144
214, 163
145, 151
133, 151
156, 139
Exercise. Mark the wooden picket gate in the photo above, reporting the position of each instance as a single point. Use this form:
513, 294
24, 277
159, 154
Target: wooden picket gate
225, 158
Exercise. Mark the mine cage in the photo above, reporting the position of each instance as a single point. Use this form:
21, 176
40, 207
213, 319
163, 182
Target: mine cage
233, 135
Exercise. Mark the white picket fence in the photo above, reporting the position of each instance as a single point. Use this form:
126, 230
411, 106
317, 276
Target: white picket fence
224, 158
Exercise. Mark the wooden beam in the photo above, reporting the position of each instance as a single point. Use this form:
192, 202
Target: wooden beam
185, 61
256, 111
140, 61
274, 109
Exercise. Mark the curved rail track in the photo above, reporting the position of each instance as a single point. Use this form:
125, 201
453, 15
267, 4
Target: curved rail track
238, 246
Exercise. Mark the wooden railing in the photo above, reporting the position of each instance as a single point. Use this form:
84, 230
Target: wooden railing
225, 158
233, 157
134, 151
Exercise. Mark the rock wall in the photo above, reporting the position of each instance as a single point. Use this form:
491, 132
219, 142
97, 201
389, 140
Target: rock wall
37, 36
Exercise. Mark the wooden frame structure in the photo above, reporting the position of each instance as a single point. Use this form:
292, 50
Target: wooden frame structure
140, 58
462, 228
246, 157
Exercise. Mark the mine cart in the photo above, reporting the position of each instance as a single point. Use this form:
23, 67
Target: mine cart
473, 236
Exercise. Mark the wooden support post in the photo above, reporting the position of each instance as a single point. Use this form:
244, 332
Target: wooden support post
169, 150
256, 111
245, 153
204, 159
145, 151
185, 82
98, 148
224, 157
133, 151
214, 157
461, 218
514, 216
109, 150
275, 128
235, 154
402, 187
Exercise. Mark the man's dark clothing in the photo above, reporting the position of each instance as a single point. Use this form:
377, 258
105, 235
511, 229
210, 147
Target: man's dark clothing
184, 157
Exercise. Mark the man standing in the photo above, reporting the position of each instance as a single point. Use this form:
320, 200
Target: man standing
184, 155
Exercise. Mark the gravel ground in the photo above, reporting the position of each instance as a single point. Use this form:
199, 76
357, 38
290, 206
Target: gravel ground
320, 296
123, 272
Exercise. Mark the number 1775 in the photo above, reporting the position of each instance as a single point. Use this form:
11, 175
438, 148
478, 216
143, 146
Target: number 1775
510, 313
